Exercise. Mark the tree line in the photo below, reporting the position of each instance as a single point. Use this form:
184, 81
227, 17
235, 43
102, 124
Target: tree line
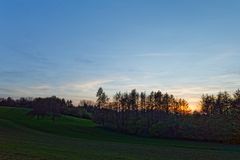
222, 103
41, 107
134, 101
162, 115
155, 114
52, 107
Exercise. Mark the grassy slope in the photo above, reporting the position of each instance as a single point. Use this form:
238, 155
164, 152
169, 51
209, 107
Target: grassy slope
23, 137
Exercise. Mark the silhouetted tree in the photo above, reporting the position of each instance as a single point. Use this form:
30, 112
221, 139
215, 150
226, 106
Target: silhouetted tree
166, 102
102, 98
158, 96
133, 100
142, 100
223, 103
236, 102
50, 106
208, 104
117, 98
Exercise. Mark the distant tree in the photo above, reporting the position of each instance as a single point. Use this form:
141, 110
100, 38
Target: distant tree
142, 100
39, 108
10, 101
171, 103
86, 103
50, 106
133, 100
151, 101
117, 98
69, 103
223, 103
55, 107
208, 104
158, 97
166, 102
102, 98
99, 92
125, 101
183, 106
236, 101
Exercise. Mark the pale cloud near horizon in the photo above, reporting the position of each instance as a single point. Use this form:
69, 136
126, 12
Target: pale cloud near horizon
187, 86
87, 90
41, 88
86, 85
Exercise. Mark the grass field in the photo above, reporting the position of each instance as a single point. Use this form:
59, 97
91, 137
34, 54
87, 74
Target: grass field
26, 138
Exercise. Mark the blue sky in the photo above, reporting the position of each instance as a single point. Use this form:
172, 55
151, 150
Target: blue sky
70, 48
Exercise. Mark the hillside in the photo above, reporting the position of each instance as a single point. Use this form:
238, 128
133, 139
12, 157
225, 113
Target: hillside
24, 137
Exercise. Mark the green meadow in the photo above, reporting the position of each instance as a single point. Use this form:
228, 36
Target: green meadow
68, 138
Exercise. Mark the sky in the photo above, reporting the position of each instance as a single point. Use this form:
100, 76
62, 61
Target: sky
70, 48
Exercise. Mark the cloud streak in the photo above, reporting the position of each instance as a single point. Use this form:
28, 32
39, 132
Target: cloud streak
85, 86
153, 55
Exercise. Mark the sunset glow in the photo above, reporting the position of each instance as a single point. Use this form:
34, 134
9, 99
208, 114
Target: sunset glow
120, 79
143, 46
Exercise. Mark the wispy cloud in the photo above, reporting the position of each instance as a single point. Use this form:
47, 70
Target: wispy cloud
85, 85
218, 58
41, 88
5, 90
153, 55
29, 53
190, 89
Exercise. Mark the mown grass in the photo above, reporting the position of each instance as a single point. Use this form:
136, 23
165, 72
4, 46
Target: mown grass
25, 137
